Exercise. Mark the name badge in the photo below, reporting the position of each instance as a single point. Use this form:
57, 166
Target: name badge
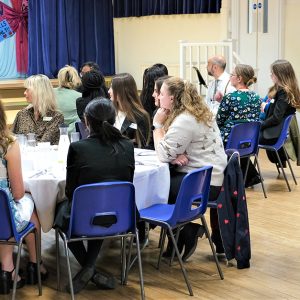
133, 126
47, 119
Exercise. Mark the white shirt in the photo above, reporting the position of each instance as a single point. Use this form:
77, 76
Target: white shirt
223, 85
120, 117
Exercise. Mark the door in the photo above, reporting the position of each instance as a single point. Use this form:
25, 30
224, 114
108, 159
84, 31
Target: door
259, 36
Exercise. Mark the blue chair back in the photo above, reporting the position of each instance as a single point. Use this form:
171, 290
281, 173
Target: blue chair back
194, 188
244, 138
284, 132
7, 224
103, 209
81, 128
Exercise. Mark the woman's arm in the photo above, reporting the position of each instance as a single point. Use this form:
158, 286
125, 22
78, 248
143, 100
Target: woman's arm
14, 171
72, 173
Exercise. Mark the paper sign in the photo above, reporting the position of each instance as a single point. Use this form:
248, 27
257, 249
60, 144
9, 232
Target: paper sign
5, 30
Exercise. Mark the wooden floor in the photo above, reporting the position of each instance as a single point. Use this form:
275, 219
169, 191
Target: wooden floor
275, 263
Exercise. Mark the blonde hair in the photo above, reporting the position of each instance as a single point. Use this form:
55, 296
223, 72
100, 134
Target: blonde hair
247, 74
5, 136
43, 97
68, 77
186, 98
286, 79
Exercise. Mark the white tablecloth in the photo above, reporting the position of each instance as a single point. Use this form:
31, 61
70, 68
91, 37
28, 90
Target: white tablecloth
151, 181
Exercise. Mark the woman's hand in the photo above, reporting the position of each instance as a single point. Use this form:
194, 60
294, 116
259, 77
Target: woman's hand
218, 96
161, 116
181, 160
262, 107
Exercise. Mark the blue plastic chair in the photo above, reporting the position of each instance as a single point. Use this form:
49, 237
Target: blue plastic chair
244, 138
81, 128
8, 232
102, 211
194, 187
280, 144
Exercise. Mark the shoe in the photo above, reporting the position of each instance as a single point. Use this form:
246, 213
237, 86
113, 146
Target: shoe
252, 181
103, 281
217, 240
6, 282
81, 279
190, 234
31, 277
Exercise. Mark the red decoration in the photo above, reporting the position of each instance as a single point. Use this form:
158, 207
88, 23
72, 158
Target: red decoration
220, 205
238, 248
238, 215
235, 193
226, 221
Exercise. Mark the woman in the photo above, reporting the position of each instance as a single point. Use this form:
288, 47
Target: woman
285, 97
66, 95
149, 77
186, 135
132, 120
85, 166
156, 92
41, 115
93, 86
21, 204
240, 106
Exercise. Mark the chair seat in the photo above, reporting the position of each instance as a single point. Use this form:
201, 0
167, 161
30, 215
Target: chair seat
160, 212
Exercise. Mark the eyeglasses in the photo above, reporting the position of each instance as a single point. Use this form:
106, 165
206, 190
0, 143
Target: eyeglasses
232, 75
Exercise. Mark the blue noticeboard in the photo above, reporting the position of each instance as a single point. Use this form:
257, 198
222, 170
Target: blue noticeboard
5, 30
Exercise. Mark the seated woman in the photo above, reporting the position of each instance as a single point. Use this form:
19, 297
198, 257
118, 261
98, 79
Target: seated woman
285, 97
85, 166
66, 95
240, 106
12, 182
132, 120
41, 115
186, 135
93, 86
149, 77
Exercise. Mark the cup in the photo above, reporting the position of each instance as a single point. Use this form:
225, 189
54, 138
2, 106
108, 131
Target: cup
31, 141
22, 140
75, 137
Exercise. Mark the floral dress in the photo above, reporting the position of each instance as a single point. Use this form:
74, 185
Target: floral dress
237, 107
16, 207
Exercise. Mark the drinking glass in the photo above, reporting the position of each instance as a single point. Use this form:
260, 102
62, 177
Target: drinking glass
22, 140
31, 141
74, 137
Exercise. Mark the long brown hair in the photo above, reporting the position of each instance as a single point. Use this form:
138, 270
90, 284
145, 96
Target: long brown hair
286, 79
126, 99
186, 98
5, 136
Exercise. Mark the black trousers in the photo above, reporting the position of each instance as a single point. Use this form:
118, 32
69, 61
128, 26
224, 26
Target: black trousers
271, 154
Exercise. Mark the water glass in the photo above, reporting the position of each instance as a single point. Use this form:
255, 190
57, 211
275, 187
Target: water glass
74, 137
31, 141
22, 140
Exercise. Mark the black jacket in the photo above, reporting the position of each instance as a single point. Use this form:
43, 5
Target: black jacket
233, 215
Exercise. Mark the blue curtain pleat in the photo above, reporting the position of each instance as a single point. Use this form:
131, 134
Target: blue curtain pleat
70, 32
138, 8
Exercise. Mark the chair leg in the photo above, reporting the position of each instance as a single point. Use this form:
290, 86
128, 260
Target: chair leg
212, 247
288, 160
57, 260
123, 259
261, 178
138, 252
162, 247
17, 269
38, 259
129, 264
283, 172
180, 262
246, 171
160, 238
69, 268
173, 250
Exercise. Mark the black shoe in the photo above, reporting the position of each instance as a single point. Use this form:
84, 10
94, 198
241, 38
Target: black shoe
81, 279
6, 282
252, 181
31, 277
190, 235
103, 281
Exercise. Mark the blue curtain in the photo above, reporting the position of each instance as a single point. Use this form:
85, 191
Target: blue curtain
138, 8
70, 32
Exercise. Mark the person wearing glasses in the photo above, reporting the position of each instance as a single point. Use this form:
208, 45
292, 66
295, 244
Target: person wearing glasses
240, 106
220, 85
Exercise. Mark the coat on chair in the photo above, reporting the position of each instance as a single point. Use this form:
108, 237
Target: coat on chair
233, 215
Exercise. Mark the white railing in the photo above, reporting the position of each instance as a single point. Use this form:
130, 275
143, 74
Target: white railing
193, 54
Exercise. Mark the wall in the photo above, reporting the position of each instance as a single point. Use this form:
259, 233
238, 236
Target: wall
141, 42
292, 41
